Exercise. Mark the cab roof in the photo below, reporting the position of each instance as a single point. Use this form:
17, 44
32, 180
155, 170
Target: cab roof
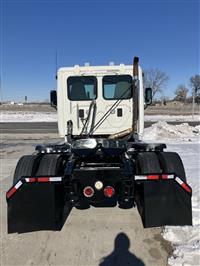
96, 69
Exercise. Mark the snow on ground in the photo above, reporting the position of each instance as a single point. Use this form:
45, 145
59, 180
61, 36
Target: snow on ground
162, 131
22, 116
186, 239
167, 118
184, 140
8, 116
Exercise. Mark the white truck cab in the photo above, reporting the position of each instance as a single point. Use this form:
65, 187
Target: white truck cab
79, 86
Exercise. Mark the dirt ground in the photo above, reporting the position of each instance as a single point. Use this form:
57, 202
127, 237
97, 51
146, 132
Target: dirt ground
151, 110
28, 108
172, 110
89, 237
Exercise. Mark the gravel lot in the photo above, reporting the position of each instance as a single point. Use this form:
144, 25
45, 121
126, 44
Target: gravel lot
106, 236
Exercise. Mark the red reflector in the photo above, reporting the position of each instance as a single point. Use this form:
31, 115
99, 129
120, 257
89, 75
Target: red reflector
109, 191
32, 179
11, 192
43, 179
153, 177
188, 189
88, 192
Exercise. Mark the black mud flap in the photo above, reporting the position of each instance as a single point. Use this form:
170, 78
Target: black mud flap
36, 206
163, 203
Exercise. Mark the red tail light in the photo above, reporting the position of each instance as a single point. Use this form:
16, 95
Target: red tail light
109, 191
88, 192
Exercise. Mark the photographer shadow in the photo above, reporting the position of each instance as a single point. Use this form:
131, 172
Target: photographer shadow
121, 256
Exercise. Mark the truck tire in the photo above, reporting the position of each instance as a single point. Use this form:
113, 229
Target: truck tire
50, 164
147, 163
172, 163
26, 166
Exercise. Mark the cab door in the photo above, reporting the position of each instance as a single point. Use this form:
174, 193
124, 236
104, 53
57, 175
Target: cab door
81, 91
117, 88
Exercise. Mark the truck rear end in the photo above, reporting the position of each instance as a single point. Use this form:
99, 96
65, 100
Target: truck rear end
102, 162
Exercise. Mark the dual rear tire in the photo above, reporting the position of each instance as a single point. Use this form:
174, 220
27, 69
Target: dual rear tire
39, 165
162, 162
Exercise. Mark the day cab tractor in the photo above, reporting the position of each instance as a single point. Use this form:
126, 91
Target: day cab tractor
101, 161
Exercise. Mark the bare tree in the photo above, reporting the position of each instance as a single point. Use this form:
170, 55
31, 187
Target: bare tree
195, 84
181, 93
164, 99
155, 79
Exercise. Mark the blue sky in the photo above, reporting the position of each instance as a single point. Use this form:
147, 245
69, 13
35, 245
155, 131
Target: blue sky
164, 34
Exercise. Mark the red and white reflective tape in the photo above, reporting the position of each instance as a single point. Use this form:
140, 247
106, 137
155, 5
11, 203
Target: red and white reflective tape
55, 179
140, 177
14, 189
43, 179
167, 176
32, 180
183, 185
153, 177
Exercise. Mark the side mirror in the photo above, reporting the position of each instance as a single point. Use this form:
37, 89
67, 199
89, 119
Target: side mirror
53, 98
148, 96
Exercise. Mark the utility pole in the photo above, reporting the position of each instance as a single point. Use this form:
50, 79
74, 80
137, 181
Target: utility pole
1, 92
193, 102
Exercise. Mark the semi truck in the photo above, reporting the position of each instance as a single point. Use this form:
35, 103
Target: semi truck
101, 160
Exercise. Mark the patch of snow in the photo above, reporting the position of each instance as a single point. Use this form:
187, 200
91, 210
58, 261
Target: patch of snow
162, 131
8, 116
198, 128
22, 116
168, 118
185, 239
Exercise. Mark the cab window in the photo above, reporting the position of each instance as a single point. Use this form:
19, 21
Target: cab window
82, 88
117, 87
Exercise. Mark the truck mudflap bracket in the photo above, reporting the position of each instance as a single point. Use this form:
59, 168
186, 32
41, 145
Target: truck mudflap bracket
163, 200
37, 203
